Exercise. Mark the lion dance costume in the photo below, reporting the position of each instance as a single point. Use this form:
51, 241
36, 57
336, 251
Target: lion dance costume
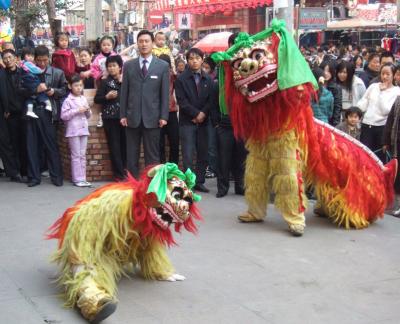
120, 225
268, 86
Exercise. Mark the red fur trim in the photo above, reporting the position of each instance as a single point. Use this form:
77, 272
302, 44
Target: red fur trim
347, 167
142, 220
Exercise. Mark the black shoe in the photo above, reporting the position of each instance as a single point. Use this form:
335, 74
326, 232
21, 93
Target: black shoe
16, 178
220, 194
33, 183
239, 191
106, 310
57, 183
200, 187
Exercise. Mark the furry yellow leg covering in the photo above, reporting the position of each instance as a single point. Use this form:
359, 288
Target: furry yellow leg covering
256, 184
277, 163
154, 262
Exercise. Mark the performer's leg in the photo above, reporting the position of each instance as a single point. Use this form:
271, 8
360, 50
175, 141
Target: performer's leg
92, 290
154, 262
256, 184
287, 181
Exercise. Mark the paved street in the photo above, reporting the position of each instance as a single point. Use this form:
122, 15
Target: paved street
236, 273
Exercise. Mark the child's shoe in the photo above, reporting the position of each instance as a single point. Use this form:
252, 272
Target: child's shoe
82, 184
48, 105
30, 112
100, 121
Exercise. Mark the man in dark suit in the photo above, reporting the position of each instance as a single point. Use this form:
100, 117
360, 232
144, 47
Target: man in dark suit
6, 149
193, 90
41, 132
14, 110
144, 103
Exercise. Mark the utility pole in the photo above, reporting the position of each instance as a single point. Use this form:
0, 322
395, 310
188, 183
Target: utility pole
93, 20
398, 10
283, 9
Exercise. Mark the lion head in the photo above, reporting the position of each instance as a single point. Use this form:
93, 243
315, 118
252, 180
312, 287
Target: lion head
255, 70
176, 208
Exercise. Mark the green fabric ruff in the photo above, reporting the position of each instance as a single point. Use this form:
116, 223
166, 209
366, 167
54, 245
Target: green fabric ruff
293, 69
159, 183
221, 88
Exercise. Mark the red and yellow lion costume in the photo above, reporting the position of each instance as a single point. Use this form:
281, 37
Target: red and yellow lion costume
268, 86
120, 227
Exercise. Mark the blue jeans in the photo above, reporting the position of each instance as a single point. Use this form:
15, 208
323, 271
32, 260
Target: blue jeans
194, 139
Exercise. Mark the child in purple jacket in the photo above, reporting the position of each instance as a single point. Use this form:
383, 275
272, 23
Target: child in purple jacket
75, 112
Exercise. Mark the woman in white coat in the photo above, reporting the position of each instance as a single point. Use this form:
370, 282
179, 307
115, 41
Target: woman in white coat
376, 104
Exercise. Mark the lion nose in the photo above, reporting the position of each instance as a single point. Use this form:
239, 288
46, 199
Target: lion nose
247, 67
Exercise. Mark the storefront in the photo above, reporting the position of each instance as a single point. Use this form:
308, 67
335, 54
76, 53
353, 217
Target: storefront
201, 17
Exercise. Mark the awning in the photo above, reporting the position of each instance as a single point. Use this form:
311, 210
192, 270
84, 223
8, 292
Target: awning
207, 6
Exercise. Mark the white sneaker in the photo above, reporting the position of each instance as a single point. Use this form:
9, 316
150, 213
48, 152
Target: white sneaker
100, 121
48, 105
87, 184
80, 184
32, 114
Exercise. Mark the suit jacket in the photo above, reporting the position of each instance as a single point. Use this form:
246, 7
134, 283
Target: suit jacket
145, 99
192, 99
3, 93
55, 79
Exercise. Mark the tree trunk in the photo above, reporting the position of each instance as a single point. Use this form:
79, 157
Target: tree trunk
55, 27
22, 25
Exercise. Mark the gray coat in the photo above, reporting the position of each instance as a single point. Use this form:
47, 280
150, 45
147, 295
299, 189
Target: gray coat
145, 98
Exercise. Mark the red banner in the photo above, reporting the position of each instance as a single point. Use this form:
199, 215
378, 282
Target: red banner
207, 6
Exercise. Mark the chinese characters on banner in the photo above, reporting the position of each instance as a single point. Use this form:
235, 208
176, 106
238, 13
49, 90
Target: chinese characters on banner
382, 12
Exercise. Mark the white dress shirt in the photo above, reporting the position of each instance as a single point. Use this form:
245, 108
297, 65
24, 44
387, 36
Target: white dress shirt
148, 59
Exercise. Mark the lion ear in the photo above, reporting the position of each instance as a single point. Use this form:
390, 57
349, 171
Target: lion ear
152, 172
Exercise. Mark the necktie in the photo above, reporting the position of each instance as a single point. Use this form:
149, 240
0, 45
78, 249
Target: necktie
197, 81
144, 68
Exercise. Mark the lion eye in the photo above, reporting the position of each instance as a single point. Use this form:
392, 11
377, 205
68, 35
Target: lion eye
236, 63
177, 195
257, 54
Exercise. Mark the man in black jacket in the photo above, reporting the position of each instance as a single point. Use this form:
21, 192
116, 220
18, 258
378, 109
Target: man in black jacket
6, 149
193, 90
42, 130
14, 108
231, 152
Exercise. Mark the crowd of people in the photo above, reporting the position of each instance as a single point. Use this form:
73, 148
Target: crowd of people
150, 92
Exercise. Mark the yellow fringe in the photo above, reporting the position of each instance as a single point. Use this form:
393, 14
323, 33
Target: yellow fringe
333, 202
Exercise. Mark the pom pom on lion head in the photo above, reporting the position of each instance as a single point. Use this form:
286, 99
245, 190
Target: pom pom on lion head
264, 82
161, 197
